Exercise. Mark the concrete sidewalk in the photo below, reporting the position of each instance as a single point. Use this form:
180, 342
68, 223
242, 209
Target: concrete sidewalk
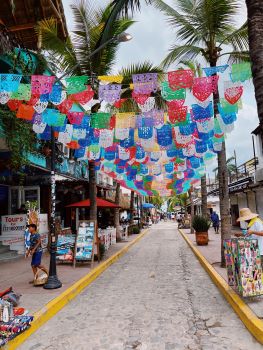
18, 273
212, 253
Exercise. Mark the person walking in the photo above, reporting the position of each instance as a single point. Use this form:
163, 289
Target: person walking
35, 250
215, 221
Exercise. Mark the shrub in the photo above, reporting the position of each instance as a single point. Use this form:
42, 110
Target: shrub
201, 223
135, 230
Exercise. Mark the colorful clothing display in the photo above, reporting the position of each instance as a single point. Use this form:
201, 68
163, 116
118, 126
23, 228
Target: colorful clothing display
243, 265
13, 321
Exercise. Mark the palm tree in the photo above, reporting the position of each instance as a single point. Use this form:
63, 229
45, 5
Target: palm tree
255, 33
196, 68
89, 24
118, 8
157, 201
231, 167
206, 28
131, 207
66, 56
173, 202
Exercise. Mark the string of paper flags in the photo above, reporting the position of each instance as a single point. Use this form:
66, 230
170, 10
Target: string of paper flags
153, 150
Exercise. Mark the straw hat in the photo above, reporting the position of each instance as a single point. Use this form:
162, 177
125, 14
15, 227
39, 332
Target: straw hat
246, 214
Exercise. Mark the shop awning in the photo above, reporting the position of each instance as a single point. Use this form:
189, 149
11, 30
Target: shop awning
101, 203
148, 205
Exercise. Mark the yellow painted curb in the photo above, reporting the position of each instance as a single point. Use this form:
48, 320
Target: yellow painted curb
55, 305
247, 316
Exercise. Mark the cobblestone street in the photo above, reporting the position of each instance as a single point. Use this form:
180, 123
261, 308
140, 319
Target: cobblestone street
156, 297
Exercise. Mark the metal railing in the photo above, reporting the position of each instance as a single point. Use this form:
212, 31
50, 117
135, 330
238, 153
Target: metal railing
244, 172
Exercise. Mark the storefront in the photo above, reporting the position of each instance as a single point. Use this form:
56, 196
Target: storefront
105, 212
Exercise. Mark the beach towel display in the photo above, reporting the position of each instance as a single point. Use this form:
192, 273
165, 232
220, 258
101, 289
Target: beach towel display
65, 247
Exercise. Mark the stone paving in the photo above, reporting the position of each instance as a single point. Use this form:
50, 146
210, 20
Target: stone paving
156, 297
18, 273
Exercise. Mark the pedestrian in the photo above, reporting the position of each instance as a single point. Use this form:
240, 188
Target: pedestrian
35, 250
179, 218
254, 227
215, 221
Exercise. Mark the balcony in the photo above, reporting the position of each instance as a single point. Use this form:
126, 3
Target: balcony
240, 179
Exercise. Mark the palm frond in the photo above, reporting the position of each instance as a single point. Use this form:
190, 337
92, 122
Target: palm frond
204, 27
118, 8
237, 57
237, 38
139, 68
184, 23
183, 53
230, 159
84, 20
214, 17
194, 66
86, 40
62, 51
89, 25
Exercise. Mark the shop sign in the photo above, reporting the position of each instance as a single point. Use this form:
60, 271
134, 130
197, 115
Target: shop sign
13, 224
43, 223
37, 159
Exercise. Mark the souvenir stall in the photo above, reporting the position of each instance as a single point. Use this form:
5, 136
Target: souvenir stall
13, 319
148, 213
107, 236
243, 263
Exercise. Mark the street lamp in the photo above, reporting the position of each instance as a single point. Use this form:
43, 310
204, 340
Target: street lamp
53, 282
121, 38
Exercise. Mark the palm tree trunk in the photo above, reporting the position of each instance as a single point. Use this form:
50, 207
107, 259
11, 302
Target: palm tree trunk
92, 191
255, 34
224, 200
117, 212
223, 184
192, 208
203, 196
132, 207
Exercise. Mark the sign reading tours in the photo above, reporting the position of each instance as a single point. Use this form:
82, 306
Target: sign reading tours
13, 224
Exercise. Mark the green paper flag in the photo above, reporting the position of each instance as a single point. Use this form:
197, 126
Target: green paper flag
241, 72
23, 93
168, 94
100, 120
76, 84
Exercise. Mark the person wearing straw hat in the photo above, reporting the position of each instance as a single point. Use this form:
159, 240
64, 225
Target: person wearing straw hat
254, 227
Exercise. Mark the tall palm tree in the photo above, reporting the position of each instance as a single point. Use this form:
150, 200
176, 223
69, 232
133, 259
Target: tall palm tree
72, 56
255, 33
196, 68
89, 24
173, 202
206, 28
158, 201
132, 207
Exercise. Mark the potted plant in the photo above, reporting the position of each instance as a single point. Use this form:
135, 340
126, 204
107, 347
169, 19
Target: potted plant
201, 226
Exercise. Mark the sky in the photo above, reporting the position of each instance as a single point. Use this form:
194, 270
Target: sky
152, 38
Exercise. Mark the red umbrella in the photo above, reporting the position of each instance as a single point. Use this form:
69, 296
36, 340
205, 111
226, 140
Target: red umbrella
101, 203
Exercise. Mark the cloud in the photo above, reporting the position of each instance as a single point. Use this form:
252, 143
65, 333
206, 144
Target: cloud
152, 38
240, 139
